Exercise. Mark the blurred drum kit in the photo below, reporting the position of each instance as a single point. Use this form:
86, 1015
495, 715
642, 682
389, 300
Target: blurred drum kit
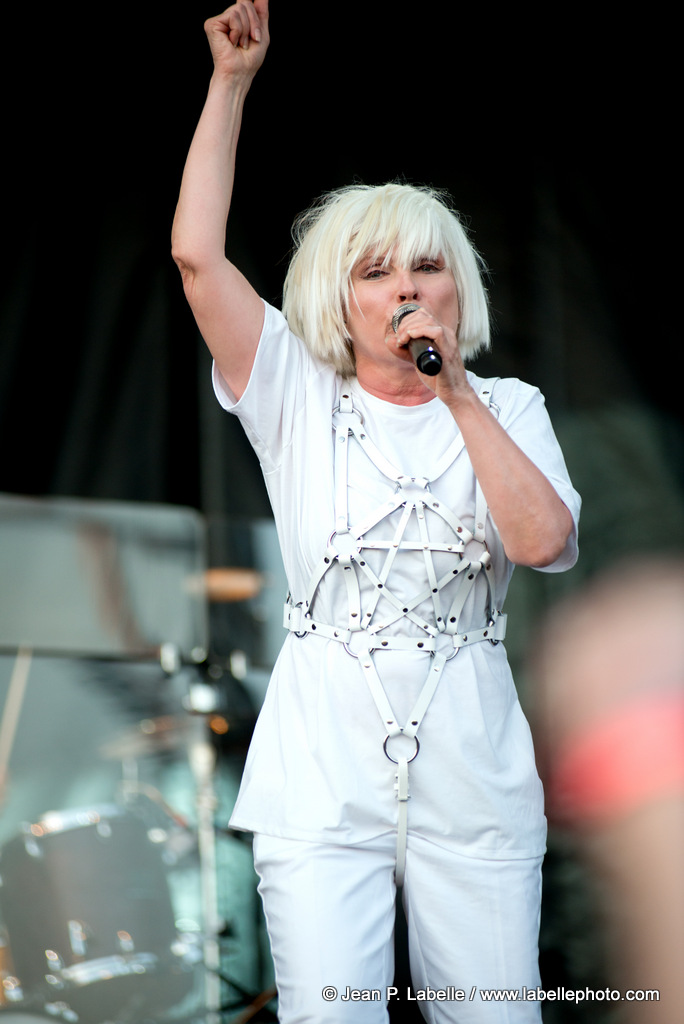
88, 932
89, 922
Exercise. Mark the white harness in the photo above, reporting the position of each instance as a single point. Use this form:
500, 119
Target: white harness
362, 633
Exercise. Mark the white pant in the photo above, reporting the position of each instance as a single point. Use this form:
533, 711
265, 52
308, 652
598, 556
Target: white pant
330, 910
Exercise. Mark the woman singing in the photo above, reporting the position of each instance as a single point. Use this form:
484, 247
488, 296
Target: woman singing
391, 752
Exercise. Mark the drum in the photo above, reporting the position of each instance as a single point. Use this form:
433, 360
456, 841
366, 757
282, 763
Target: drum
87, 911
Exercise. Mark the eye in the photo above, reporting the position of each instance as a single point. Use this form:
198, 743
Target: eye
429, 267
374, 274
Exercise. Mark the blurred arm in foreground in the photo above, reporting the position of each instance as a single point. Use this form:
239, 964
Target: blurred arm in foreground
609, 725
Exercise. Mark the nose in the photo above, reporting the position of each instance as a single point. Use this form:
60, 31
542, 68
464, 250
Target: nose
407, 286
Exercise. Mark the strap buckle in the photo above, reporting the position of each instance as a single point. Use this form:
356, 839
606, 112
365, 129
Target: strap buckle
498, 621
293, 616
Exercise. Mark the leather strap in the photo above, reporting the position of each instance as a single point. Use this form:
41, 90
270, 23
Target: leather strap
297, 621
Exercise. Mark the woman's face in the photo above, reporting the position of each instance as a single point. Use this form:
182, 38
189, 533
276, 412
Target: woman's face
378, 288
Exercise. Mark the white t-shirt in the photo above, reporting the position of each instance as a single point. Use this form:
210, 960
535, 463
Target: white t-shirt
316, 768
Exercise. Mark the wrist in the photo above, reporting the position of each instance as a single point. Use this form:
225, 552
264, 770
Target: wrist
461, 396
462, 400
230, 82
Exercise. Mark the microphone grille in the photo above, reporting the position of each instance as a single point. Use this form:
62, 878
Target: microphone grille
400, 312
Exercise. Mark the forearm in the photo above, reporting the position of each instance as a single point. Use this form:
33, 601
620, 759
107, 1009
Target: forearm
238, 39
199, 227
532, 521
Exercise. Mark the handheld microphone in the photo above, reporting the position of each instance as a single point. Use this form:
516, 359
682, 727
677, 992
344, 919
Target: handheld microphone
423, 352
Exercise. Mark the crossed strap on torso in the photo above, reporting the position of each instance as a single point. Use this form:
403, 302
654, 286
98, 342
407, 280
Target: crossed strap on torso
374, 611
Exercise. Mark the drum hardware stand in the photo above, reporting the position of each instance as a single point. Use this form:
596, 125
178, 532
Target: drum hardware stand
252, 1003
200, 700
11, 711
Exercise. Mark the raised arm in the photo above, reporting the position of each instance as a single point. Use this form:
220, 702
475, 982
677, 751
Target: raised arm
228, 311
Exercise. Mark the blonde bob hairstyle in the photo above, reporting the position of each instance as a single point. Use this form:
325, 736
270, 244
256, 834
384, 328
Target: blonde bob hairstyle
400, 222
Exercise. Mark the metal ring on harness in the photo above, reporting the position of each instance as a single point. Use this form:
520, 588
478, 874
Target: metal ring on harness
355, 412
389, 756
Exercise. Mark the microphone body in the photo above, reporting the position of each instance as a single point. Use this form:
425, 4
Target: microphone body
423, 352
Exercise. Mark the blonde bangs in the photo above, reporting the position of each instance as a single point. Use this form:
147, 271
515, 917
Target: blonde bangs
401, 227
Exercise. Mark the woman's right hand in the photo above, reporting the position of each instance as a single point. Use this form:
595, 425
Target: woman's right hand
239, 38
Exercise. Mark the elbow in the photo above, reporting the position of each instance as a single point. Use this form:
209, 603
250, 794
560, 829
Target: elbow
545, 546
189, 273
544, 555
185, 252
183, 261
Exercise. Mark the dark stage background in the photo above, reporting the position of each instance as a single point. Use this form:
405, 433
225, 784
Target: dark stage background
555, 150
555, 139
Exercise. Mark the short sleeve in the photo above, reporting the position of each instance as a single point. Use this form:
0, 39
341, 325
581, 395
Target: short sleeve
524, 416
276, 391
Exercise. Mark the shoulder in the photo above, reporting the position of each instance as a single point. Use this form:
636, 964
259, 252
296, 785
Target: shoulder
282, 363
